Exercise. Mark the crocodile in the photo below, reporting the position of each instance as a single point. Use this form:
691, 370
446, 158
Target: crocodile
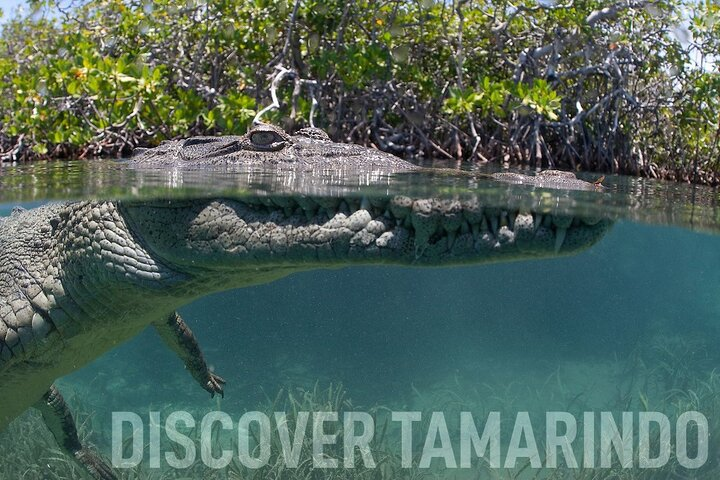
78, 278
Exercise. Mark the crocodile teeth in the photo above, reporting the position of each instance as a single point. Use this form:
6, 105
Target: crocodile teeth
537, 221
451, 215
307, 204
472, 211
328, 203
451, 236
353, 205
400, 206
559, 238
562, 221
365, 204
283, 202
378, 202
424, 220
494, 225
484, 225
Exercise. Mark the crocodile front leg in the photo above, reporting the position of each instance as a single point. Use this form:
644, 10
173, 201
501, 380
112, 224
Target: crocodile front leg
178, 336
61, 424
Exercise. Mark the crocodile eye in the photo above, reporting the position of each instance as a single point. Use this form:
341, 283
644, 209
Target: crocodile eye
265, 138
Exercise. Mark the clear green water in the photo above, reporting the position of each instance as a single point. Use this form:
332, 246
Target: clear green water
630, 325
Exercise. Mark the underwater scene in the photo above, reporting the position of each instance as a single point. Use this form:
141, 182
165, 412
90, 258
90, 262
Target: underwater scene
592, 356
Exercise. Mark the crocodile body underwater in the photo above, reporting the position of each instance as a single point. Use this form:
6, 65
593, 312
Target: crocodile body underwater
78, 278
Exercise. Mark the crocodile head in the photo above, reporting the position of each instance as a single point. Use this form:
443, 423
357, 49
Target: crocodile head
293, 230
266, 145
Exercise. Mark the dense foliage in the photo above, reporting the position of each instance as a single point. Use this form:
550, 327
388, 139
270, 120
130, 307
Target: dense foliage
625, 87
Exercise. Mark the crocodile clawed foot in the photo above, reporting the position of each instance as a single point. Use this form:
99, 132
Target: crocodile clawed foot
178, 336
60, 422
215, 385
94, 464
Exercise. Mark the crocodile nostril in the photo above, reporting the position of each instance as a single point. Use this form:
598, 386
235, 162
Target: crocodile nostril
314, 133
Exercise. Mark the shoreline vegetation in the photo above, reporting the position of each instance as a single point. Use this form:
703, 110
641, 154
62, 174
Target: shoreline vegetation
627, 87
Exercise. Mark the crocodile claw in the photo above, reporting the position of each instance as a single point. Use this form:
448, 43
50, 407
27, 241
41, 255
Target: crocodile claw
215, 385
94, 464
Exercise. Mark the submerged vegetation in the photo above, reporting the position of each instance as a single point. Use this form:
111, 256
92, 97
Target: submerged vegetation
629, 87
669, 374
